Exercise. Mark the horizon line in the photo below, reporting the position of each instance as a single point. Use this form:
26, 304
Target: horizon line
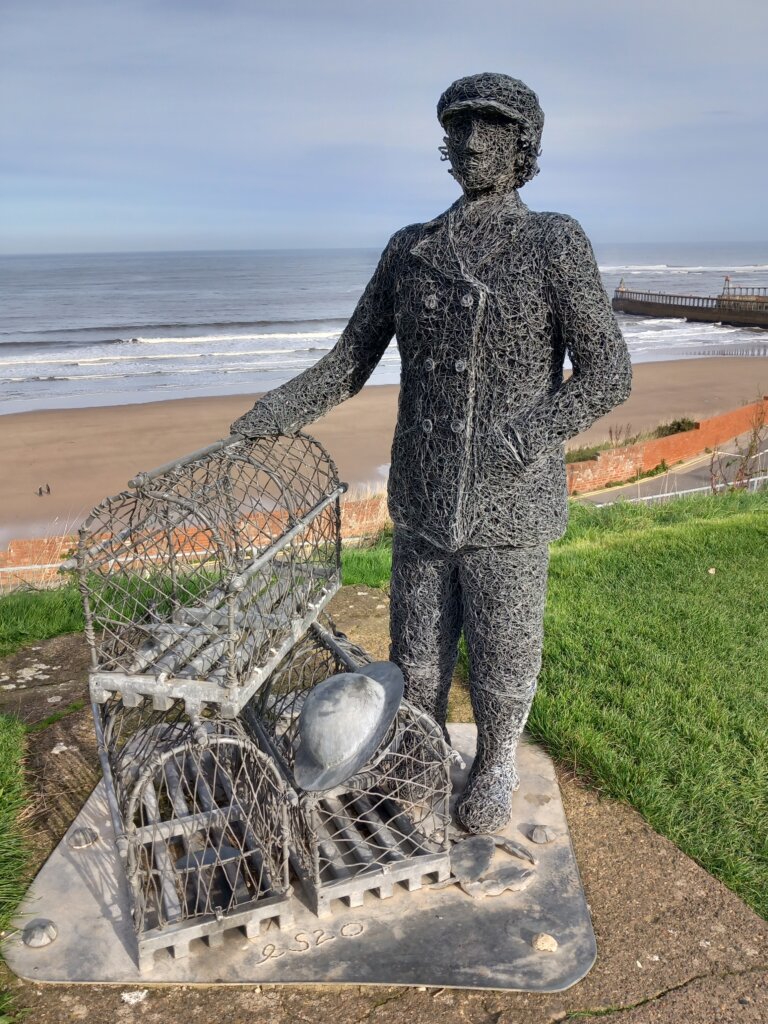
331, 248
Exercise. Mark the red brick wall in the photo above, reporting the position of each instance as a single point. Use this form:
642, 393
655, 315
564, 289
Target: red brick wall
30, 561
361, 518
36, 561
618, 464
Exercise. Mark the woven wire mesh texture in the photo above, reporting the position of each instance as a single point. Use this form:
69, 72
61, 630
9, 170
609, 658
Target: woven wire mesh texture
390, 818
201, 815
202, 572
497, 597
486, 302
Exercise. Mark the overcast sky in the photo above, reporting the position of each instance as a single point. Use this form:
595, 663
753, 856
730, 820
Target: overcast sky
198, 124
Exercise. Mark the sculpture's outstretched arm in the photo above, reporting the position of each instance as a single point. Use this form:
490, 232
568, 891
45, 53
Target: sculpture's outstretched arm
602, 372
339, 374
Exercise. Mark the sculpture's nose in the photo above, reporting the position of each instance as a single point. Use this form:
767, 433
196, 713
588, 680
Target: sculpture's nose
474, 142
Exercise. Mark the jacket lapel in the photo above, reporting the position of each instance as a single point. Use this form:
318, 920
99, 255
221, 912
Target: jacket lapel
437, 248
510, 219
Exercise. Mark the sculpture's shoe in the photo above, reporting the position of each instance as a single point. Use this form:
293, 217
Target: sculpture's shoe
486, 803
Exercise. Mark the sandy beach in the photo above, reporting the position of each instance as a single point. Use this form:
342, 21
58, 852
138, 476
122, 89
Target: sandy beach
87, 454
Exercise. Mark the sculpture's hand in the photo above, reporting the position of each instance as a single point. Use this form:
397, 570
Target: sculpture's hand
257, 422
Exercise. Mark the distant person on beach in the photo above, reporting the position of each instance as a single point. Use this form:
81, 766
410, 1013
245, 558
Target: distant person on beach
485, 300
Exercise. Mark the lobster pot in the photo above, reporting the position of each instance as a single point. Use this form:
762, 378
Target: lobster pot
198, 579
200, 815
389, 822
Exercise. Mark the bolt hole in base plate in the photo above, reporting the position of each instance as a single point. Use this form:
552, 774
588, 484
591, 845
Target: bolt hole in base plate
409, 938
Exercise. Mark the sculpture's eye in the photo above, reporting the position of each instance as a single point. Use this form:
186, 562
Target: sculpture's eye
493, 117
459, 125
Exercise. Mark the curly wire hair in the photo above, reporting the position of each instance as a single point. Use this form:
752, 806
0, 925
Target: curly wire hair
527, 152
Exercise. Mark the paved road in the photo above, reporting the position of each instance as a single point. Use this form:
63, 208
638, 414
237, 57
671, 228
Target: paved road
695, 473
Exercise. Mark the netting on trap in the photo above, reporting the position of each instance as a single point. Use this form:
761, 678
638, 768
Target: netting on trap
201, 816
199, 578
386, 824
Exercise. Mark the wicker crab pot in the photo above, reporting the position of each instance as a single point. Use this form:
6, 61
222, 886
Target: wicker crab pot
387, 824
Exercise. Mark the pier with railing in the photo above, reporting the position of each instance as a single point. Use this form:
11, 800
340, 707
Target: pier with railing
736, 306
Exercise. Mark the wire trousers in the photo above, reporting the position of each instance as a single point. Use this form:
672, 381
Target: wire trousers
497, 596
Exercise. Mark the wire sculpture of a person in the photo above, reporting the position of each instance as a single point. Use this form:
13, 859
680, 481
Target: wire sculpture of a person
485, 301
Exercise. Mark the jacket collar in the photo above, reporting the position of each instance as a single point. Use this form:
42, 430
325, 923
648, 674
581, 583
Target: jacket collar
436, 246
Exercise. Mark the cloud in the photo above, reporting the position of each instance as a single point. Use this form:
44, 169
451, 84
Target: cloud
240, 124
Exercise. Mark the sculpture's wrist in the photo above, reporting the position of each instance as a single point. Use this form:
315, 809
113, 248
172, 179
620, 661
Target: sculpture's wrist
259, 421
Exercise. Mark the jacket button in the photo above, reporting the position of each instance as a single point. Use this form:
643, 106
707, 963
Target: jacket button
429, 364
460, 365
426, 426
457, 426
431, 302
468, 299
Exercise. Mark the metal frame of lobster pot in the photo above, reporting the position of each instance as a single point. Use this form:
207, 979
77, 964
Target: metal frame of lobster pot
196, 582
389, 822
201, 825
198, 579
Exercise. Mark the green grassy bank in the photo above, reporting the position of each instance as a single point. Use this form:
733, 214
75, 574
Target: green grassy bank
11, 813
13, 860
28, 616
655, 675
654, 681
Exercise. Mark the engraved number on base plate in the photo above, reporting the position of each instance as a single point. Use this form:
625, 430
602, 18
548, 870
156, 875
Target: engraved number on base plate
311, 940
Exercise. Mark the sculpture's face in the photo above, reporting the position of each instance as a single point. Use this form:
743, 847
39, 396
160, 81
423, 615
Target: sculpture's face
481, 146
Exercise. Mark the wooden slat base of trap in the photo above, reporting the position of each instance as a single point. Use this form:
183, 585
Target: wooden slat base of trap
427, 937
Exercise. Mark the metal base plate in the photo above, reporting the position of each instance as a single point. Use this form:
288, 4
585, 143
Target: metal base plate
429, 937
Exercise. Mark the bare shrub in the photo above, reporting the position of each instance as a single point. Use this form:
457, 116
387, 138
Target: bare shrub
734, 471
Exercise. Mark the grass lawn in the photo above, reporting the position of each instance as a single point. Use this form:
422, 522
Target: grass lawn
13, 872
655, 676
654, 681
11, 808
369, 565
28, 616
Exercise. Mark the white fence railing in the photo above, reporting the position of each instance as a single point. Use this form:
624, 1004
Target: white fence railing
755, 484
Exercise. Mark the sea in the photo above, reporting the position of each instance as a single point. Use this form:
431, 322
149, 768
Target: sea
116, 328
